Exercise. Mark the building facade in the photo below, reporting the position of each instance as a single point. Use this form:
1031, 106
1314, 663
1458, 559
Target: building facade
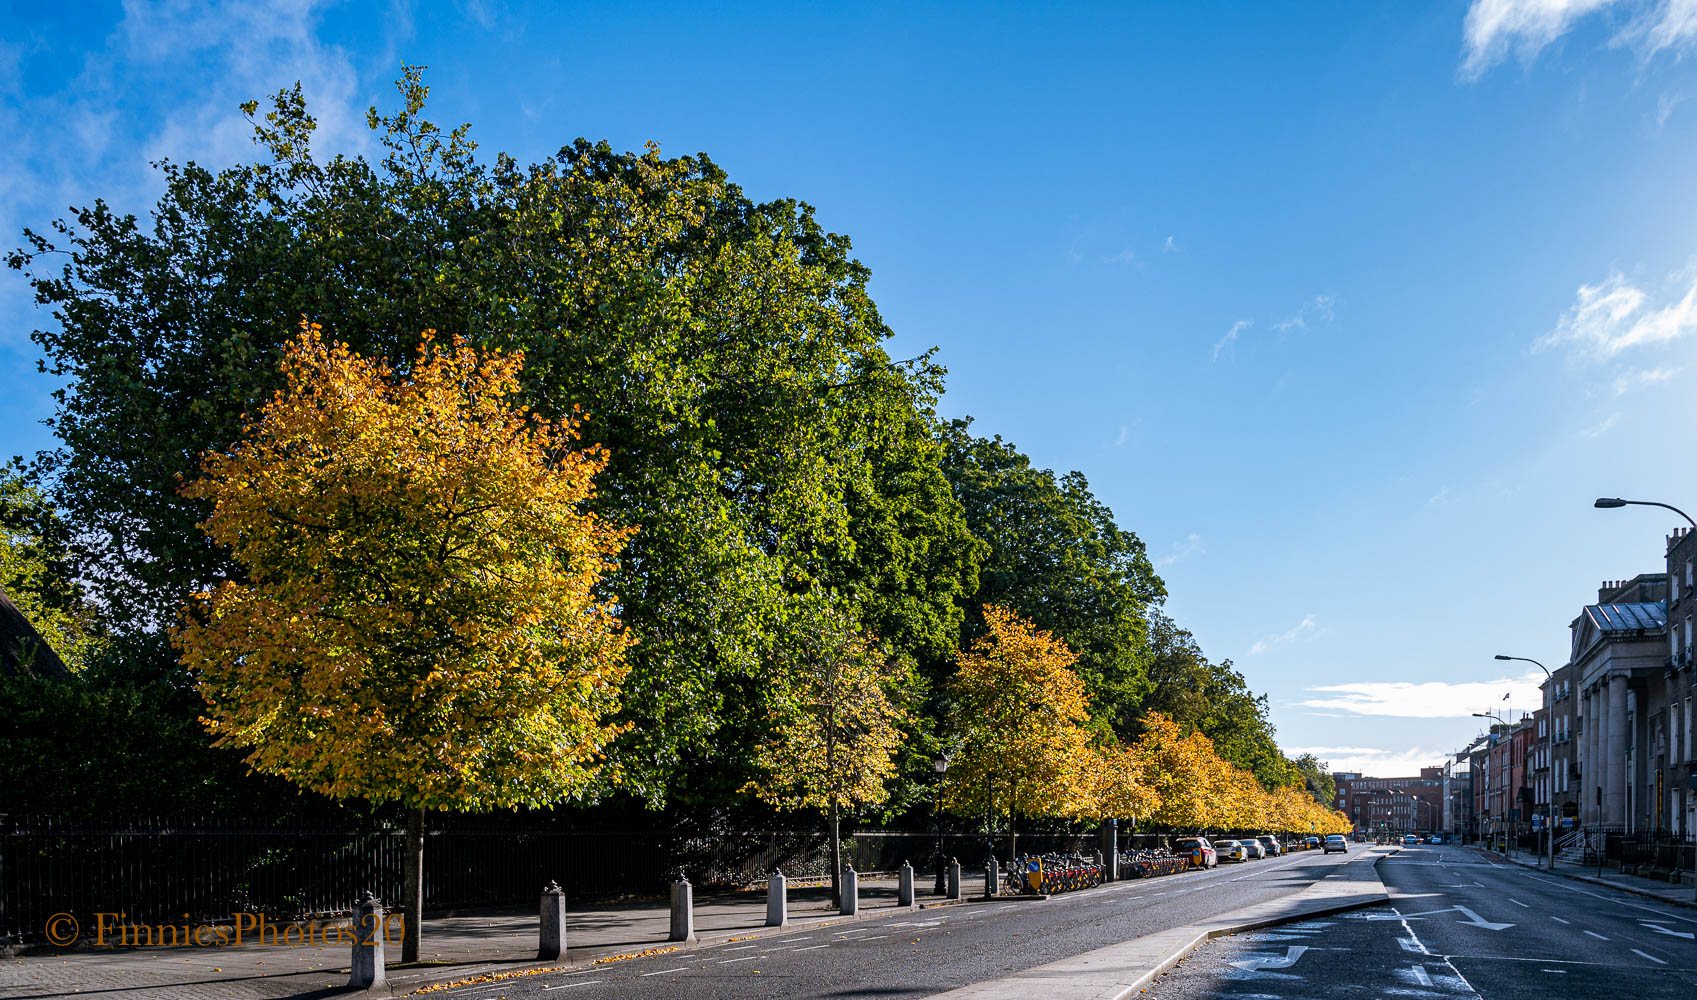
1392, 806
1672, 764
1620, 660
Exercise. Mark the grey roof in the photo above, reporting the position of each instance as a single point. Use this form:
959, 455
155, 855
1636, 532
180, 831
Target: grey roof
1627, 617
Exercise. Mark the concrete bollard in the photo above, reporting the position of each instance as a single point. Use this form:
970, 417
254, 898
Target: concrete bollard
904, 892
551, 934
992, 876
683, 911
777, 899
851, 891
366, 969
954, 878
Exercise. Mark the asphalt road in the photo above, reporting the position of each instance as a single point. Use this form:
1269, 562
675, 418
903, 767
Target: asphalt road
918, 953
1459, 926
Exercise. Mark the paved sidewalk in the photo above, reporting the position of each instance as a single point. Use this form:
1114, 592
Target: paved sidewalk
453, 947
1684, 894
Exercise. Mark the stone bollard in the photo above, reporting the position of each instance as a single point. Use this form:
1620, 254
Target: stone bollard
551, 937
777, 899
851, 892
992, 876
366, 969
904, 892
954, 878
683, 911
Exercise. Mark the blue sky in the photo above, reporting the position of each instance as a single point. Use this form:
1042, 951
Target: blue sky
1348, 310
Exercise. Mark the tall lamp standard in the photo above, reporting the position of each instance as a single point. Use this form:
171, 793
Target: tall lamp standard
941, 766
1609, 503
1508, 762
1549, 749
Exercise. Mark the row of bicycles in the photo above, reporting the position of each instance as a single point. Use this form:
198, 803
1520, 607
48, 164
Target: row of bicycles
1048, 874
1149, 863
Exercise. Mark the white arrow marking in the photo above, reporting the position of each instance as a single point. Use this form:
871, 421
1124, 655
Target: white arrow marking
1476, 920
1421, 977
1409, 916
1292, 953
1663, 930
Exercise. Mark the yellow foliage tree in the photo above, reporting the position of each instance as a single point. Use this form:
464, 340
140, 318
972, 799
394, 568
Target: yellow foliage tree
1119, 785
419, 620
835, 730
1019, 711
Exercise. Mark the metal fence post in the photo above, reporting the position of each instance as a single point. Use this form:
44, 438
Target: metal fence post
777, 899
366, 969
851, 891
683, 911
551, 937
904, 894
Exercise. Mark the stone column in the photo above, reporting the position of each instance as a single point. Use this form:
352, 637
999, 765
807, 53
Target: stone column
683, 911
366, 969
851, 891
904, 892
777, 899
551, 939
1614, 756
1591, 771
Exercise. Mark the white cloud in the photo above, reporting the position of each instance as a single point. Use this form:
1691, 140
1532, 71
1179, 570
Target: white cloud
1169, 246
1600, 428
1307, 627
1629, 380
1615, 315
1429, 699
1442, 496
1190, 546
1231, 336
1321, 310
1494, 27
1665, 105
1125, 432
1375, 762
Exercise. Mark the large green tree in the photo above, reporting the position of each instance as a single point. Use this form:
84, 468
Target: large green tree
726, 352
1057, 558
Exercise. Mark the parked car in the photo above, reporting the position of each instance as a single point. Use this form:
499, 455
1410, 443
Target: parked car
1309, 843
1335, 842
1274, 848
1231, 850
1256, 849
1202, 854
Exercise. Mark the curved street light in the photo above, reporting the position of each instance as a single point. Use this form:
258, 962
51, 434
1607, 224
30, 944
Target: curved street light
1609, 503
1549, 745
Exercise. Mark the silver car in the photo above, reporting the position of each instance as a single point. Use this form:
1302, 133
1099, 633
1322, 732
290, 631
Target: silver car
1274, 849
1256, 849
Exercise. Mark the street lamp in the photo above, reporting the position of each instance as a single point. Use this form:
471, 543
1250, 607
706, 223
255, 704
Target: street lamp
1508, 762
1609, 503
1549, 740
941, 765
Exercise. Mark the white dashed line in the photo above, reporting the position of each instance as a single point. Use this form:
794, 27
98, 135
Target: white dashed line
745, 958
1652, 958
1596, 935
1519, 903
1558, 920
742, 947
567, 986
664, 972
813, 947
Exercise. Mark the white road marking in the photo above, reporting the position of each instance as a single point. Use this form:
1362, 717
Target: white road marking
1687, 935
1652, 958
1596, 935
1558, 920
1519, 903
1420, 976
1607, 899
745, 958
813, 947
880, 937
742, 947
1475, 920
664, 972
1291, 954
567, 986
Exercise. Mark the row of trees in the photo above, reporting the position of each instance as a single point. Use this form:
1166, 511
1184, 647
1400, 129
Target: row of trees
379, 539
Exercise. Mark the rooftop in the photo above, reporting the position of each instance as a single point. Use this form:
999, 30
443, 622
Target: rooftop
1628, 617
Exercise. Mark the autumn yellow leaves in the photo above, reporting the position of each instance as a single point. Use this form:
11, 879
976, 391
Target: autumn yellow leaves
1021, 715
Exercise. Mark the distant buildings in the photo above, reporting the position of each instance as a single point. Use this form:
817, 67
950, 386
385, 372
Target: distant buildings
1392, 805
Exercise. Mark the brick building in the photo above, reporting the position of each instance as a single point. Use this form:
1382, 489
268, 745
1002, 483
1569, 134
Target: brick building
1392, 806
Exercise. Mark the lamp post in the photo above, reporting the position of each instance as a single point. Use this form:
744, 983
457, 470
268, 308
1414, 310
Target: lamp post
1508, 762
1609, 503
1549, 746
941, 765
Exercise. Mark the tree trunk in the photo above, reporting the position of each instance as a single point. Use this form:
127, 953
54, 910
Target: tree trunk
836, 859
412, 890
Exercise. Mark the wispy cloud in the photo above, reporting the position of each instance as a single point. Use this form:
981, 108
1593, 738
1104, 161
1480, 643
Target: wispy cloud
1627, 381
1375, 762
1306, 628
1601, 427
1665, 105
1320, 309
1169, 246
1440, 497
1493, 29
1427, 700
1615, 315
1191, 545
1230, 337
1125, 432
